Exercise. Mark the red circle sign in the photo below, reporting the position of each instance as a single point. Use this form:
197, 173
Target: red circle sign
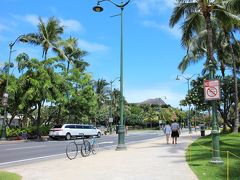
212, 91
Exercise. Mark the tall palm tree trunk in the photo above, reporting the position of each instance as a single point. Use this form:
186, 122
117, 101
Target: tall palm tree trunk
209, 37
39, 120
236, 122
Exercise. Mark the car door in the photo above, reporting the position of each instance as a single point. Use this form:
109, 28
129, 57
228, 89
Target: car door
93, 130
80, 130
70, 129
87, 130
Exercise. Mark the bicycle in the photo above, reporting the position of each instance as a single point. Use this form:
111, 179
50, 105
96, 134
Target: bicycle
74, 147
94, 146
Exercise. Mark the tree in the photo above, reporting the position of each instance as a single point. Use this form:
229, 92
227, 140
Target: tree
195, 98
73, 54
101, 91
136, 115
38, 86
48, 35
195, 13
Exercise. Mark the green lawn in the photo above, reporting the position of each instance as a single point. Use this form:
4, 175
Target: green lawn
9, 176
200, 153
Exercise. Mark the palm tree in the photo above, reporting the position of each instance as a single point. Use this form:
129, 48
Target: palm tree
228, 27
101, 90
199, 13
73, 54
47, 36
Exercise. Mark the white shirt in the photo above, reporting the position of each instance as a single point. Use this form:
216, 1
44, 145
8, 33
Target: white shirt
167, 129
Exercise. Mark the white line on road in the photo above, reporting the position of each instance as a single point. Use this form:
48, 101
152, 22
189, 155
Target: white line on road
30, 159
11, 149
107, 142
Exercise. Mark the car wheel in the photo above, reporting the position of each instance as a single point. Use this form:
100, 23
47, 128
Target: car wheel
68, 136
98, 134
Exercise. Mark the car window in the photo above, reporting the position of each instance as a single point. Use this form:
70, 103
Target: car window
87, 127
70, 126
57, 126
79, 126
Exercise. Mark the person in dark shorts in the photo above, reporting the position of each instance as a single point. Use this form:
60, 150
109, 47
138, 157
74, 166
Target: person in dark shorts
175, 131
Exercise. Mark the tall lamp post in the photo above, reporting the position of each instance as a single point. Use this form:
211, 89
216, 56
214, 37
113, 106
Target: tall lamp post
121, 127
5, 94
188, 83
110, 115
216, 159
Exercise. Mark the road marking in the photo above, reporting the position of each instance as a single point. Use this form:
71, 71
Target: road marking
30, 159
107, 142
11, 149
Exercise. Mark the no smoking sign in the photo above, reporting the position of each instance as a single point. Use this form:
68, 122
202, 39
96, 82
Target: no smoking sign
212, 89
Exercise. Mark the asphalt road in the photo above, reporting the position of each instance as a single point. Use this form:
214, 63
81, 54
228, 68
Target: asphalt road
12, 154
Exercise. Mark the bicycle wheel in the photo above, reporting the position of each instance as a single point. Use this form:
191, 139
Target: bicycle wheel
95, 147
72, 150
85, 148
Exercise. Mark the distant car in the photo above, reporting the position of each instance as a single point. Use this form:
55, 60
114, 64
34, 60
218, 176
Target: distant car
68, 131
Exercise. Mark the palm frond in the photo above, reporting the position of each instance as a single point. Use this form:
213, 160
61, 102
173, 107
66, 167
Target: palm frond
32, 38
184, 64
233, 5
180, 10
226, 18
193, 24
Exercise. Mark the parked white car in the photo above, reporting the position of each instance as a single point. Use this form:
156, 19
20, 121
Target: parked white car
68, 131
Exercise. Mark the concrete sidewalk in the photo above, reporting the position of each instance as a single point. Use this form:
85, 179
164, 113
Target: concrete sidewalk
150, 160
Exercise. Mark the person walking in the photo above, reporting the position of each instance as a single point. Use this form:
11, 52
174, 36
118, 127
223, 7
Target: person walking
175, 131
167, 131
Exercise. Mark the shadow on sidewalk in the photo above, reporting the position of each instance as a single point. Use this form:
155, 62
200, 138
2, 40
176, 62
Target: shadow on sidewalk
171, 149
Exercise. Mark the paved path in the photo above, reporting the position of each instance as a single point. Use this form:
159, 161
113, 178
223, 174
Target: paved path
150, 160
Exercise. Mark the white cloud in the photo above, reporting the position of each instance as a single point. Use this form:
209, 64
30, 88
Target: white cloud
91, 47
139, 95
153, 24
70, 25
147, 7
32, 19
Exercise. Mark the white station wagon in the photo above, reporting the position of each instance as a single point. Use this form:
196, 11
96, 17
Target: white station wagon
68, 131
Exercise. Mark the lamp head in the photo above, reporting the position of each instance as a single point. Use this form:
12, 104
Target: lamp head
23, 39
11, 65
98, 8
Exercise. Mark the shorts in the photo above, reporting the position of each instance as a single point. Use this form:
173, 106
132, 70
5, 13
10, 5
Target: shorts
175, 134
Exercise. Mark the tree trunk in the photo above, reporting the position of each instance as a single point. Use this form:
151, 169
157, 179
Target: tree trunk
236, 122
39, 120
225, 112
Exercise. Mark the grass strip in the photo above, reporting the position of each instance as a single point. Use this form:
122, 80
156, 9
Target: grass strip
200, 153
9, 176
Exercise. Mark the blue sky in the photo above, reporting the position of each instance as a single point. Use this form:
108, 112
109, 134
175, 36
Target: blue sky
152, 51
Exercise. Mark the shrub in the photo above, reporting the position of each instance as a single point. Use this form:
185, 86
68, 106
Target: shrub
45, 130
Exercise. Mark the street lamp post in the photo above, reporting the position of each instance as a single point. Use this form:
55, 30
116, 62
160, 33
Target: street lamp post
216, 159
111, 116
5, 95
121, 127
188, 83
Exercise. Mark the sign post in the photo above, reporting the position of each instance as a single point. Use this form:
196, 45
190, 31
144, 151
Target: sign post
212, 90
212, 93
